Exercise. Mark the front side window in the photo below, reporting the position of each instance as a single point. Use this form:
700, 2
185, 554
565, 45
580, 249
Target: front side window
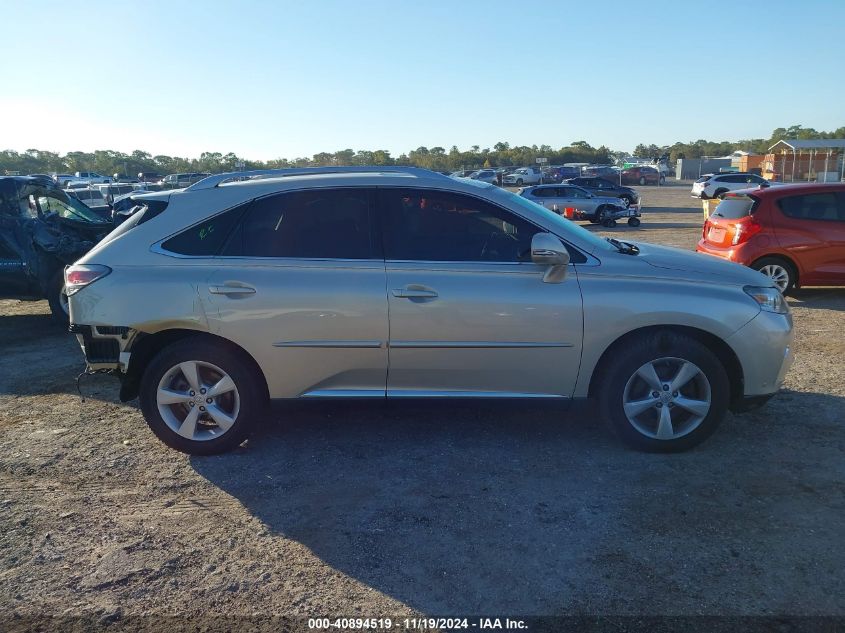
423, 225
64, 206
316, 224
813, 206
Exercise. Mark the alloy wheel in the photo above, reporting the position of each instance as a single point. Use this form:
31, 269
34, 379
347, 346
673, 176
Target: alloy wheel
667, 398
198, 400
778, 274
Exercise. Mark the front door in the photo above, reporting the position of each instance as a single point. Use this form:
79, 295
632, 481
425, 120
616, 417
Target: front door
470, 314
300, 285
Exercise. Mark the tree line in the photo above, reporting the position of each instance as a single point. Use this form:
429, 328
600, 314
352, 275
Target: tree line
502, 154
699, 148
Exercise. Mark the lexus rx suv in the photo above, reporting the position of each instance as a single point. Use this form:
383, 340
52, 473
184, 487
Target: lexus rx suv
212, 301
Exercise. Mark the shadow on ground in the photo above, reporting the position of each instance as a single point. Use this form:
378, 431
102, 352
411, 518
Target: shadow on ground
525, 508
818, 298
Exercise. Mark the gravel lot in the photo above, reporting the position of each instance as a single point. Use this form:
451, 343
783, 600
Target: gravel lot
387, 510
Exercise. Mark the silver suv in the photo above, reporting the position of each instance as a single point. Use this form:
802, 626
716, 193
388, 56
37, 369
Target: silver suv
210, 302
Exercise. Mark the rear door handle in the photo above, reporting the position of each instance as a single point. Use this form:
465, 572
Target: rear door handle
231, 290
415, 292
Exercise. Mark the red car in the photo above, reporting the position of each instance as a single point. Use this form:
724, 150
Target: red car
642, 176
794, 234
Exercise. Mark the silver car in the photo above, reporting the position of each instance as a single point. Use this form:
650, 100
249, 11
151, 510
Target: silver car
398, 282
584, 205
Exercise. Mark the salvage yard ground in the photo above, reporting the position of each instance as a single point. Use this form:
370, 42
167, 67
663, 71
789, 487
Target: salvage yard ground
443, 509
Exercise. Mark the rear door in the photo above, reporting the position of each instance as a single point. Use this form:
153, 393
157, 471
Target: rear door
300, 284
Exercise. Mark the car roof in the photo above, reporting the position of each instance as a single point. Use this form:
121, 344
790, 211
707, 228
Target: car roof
791, 188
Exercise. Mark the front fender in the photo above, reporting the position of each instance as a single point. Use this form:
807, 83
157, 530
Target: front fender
617, 305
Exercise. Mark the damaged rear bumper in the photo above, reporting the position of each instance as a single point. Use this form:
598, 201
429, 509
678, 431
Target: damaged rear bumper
103, 346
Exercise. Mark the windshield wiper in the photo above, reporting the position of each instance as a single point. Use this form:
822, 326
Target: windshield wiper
624, 247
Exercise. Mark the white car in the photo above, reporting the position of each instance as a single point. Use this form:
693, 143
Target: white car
524, 176
93, 199
484, 175
76, 184
92, 177
714, 185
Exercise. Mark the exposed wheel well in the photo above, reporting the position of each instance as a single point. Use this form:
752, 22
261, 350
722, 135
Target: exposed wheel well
722, 350
148, 345
786, 260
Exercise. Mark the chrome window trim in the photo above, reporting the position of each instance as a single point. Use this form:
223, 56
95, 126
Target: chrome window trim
156, 247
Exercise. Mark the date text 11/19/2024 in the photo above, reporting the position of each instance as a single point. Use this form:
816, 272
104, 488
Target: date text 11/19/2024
416, 624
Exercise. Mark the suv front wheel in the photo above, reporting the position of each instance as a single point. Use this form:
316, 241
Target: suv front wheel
200, 398
664, 393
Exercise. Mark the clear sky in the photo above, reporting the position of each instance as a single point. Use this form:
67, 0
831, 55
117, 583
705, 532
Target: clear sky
288, 79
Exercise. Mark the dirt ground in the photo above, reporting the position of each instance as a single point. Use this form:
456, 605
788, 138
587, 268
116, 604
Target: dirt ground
444, 509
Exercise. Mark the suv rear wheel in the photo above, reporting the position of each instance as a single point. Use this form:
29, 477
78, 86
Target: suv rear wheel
200, 398
664, 393
719, 193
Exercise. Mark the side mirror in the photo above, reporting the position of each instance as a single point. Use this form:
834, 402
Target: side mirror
547, 250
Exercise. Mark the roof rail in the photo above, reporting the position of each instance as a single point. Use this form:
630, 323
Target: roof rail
217, 179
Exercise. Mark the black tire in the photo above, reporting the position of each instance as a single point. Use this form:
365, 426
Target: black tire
642, 180
519, 182
58, 300
609, 223
599, 215
719, 193
249, 392
634, 222
622, 365
769, 265
627, 201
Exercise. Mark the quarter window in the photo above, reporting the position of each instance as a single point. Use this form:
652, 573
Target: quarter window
207, 238
424, 225
316, 224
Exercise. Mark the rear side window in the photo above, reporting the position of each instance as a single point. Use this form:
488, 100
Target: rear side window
207, 238
734, 208
813, 206
317, 224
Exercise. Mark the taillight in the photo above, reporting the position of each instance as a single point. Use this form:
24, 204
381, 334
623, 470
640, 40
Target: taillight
80, 275
745, 230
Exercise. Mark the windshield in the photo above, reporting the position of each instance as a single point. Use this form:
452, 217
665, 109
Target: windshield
562, 227
66, 207
735, 207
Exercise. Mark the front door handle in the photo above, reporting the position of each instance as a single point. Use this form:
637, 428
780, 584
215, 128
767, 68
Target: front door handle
231, 290
415, 291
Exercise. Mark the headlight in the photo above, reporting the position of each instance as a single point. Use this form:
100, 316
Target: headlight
769, 299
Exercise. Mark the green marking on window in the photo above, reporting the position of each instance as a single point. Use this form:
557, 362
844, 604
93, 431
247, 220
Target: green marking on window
206, 231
